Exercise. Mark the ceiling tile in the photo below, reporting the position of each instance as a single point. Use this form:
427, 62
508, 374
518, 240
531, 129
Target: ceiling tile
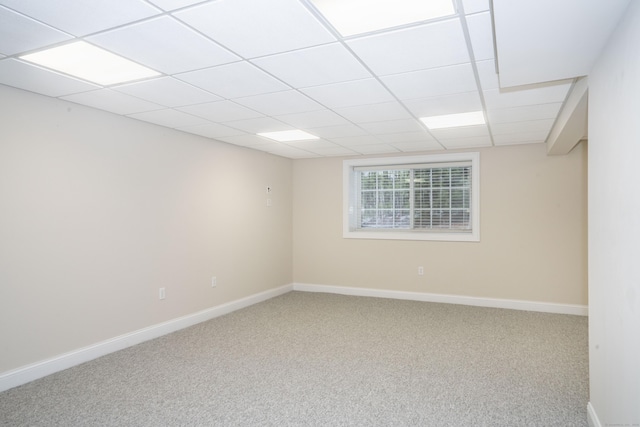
433, 82
481, 34
169, 118
447, 104
314, 66
375, 149
487, 74
174, 4
354, 141
476, 141
336, 150
521, 127
475, 6
253, 28
168, 92
312, 145
21, 34
460, 132
288, 151
427, 46
259, 124
313, 119
520, 138
534, 94
417, 146
249, 140
221, 111
332, 132
234, 80
374, 112
84, 17
211, 130
346, 94
392, 126
395, 138
280, 103
35, 79
527, 112
164, 45
115, 102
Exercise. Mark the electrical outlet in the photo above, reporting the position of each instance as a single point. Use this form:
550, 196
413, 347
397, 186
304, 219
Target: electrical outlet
214, 282
421, 271
162, 294
269, 203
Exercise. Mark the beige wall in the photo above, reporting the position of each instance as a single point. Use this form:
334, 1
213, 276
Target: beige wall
97, 212
533, 233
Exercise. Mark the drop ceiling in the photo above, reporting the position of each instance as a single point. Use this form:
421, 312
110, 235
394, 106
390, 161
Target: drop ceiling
230, 69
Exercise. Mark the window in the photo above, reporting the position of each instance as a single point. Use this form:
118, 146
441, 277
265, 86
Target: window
432, 197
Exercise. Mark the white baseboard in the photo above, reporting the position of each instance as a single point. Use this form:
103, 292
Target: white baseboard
580, 310
41, 369
592, 417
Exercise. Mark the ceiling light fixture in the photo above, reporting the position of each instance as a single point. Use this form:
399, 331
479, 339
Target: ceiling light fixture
86, 61
454, 120
288, 135
351, 17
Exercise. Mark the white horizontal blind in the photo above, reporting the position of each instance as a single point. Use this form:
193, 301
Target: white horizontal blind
418, 197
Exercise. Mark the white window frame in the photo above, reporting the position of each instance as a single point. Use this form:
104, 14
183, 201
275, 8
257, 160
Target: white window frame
350, 196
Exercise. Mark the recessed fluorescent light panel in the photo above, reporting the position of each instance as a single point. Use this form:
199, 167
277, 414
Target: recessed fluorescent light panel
454, 120
351, 17
88, 62
288, 135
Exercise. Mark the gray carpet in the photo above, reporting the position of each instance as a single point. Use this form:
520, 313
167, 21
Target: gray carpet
306, 359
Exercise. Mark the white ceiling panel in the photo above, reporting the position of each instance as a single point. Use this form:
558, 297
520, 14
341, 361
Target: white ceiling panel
331, 132
221, 111
481, 34
212, 130
169, 118
396, 138
84, 17
336, 150
447, 104
487, 74
314, 66
115, 102
433, 82
164, 45
375, 149
355, 141
475, 6
168, 92
249, 140
527, 112
320, 118
259, 124
476, 141
427, 46
253, 28
347, 94
520, 138
280, 103
546, 40
392, 126
408, 147
35, 79
174, 4
234, 80
288, 151
374, 112
522, 127
538, 94
461, 132
21, 34
312, 145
